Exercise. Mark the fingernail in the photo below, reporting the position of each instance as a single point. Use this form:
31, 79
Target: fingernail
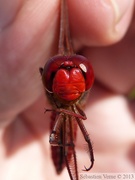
120, 7
121, 11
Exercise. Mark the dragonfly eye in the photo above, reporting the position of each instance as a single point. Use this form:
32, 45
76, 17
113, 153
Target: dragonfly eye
68, 76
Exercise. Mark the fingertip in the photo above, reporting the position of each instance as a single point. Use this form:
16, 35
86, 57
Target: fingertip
99, 22
124, 18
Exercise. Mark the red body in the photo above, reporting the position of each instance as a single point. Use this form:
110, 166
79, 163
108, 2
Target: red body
67, 79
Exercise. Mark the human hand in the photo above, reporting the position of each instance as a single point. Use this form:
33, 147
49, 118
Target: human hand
29, 37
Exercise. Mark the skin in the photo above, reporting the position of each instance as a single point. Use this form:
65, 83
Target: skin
28, 38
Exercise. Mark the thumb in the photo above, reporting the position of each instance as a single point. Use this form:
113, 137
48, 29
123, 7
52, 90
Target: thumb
99, 22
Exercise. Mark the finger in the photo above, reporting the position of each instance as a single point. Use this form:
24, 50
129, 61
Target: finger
99, 22
114, 66
111, 127
27, 40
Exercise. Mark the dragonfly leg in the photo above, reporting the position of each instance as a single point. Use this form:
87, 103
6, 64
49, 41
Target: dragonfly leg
69, 149
87, 139
72, 172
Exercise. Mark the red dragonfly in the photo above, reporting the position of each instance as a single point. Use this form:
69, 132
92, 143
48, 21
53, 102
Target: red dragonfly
67, 79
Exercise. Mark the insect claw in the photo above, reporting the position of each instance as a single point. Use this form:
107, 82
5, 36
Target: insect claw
87, 169
41, 70
46, 110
